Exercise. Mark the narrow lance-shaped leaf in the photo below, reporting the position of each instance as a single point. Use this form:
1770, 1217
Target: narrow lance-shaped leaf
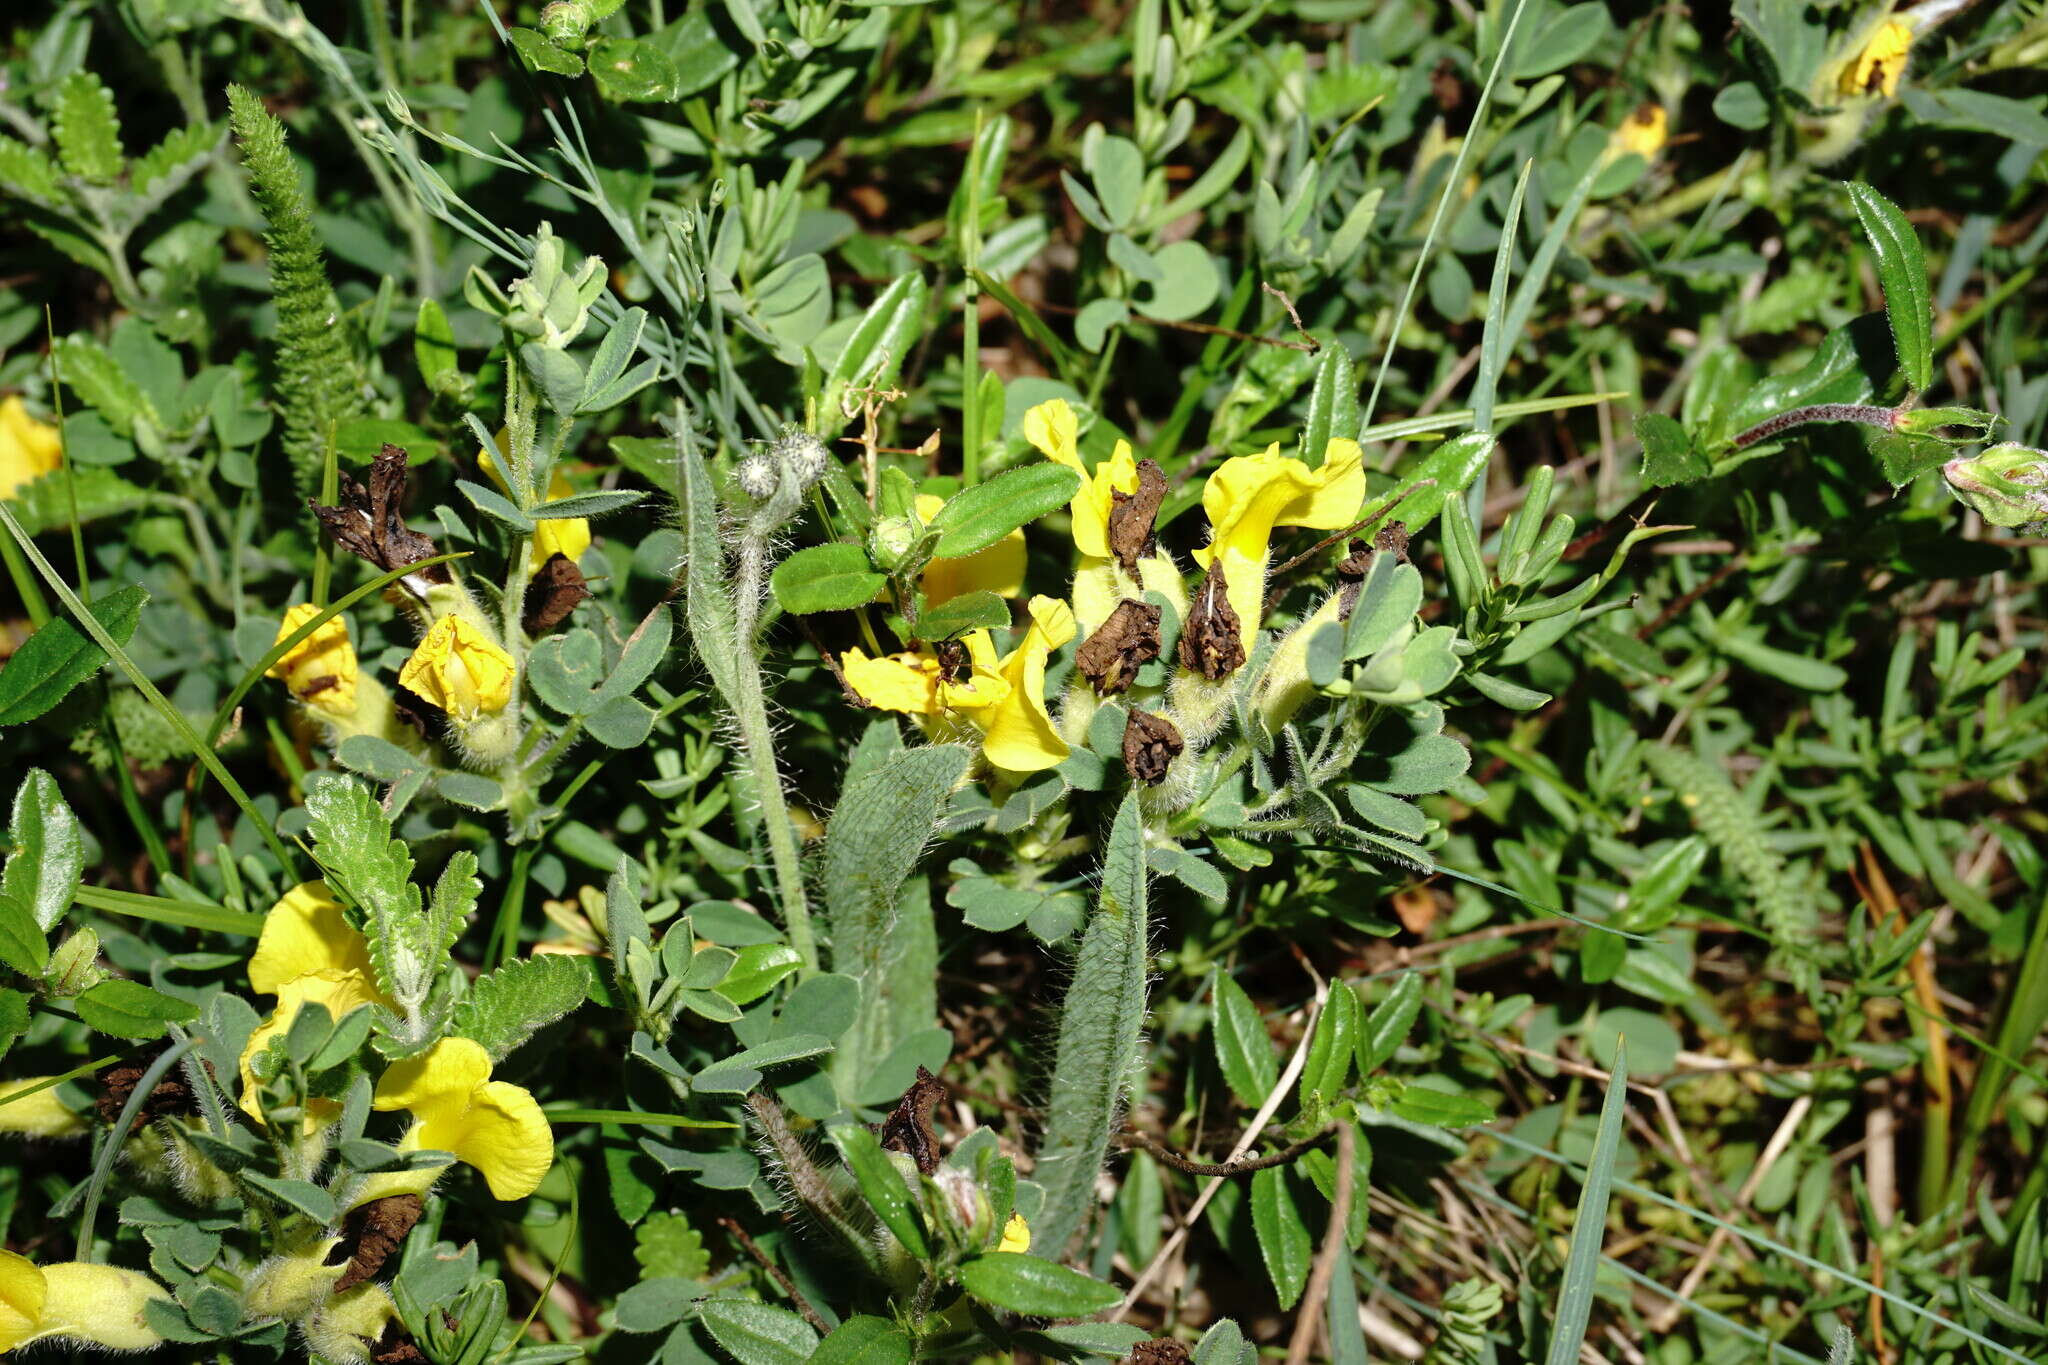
1902, 270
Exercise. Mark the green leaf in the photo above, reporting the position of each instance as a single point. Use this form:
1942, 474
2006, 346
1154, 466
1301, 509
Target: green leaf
1452, 465
836, 577
874, 354
588, 505
1329, 1052
1097, 1055
864, 1340
23, 945
978, 610
978, 517
760, 966
1669, 456
566, 670
1284, 1242
353, 842
58, 657
1332, 406
882, 1185
632, 71
541, 53
1440, 1108
758, 1333
882, 934
129, 1009
86, 129
1386, 1028
620, 722
48, 860
655, 1304
1023, 1283
1902, 271
1589, 1226
1243, 1051
302, 1195
496, 506
433, 342
510, 1005
13, 1003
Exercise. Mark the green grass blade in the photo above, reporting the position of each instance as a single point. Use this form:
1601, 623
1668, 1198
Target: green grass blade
1496, 340
162, 910
1589, 1228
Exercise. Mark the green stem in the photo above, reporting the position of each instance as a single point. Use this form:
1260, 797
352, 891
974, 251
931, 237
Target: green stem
504, 944
764, 780
25, 584
131, 801
2024, 1012
970, 321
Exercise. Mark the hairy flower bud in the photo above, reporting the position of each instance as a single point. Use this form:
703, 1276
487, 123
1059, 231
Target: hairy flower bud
74, 967
757, 476
2007, 485
803, 456
890, 542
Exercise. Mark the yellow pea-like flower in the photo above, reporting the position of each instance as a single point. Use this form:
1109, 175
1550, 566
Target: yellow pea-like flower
1881, 62
555, 535
460, 669
494, 1126
1018, 733
1016, 1234
319, 670
1250, 495
1054, 430
29, 449
998, 569
1644, 131
308, 952
100, 1304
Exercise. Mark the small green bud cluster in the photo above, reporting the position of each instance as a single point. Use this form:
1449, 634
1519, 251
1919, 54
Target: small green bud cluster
2006, 484
550, 304
775, 477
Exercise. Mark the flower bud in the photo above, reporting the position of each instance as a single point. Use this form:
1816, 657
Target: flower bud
98, 1304
74, 967
41, 1114
290, 1287
803, 455
889, 543
757, 477
460, 669
347, 1326
2007, 485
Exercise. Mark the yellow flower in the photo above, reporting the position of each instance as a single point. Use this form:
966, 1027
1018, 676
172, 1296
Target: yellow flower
1016, 1234
998, 569
100, 1304
28, 449
1249, 495
1881, 62
39, 1114
460, 669
1643, 132
1018, 733
308, 952
1054, 430
914, 682
320, 670
456, 1106
557, 535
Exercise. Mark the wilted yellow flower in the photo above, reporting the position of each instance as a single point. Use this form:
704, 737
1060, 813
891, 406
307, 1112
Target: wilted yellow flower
492, 1125
319, 670
998, 569
28, 449
1643, 132
100, 1304
38, 1113
308, 953
1016, 1234
1017, 731
460, 669
1249, 495
1881, 62
555, 535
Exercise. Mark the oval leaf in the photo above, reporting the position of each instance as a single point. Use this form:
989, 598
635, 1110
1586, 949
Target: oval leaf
978, 517
1024, 1283
826, 578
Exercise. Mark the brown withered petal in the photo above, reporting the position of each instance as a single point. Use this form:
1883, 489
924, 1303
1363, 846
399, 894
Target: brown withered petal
171, 1095
1163, 1351
909, 1129
1120, 646
1212, 639
396, 1347
370, 522
1393, 539
1151, 743
422, 715
370, 1234
1131, 516
552, 594
1351, 571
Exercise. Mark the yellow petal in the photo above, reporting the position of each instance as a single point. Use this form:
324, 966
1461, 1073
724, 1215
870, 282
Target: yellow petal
341, 992
1053, 429
305, 932
1016, 1234
460, 669
23, 1292
908, 683
1882, 61
1019, 734
502, 1133
102, 1304
41, 1114
1249, 495
29, 449
568, 536
1643, 132
445, 1073
319, 670
998, 569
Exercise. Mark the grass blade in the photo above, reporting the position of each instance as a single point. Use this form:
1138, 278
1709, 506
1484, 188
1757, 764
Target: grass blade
1589, 1228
